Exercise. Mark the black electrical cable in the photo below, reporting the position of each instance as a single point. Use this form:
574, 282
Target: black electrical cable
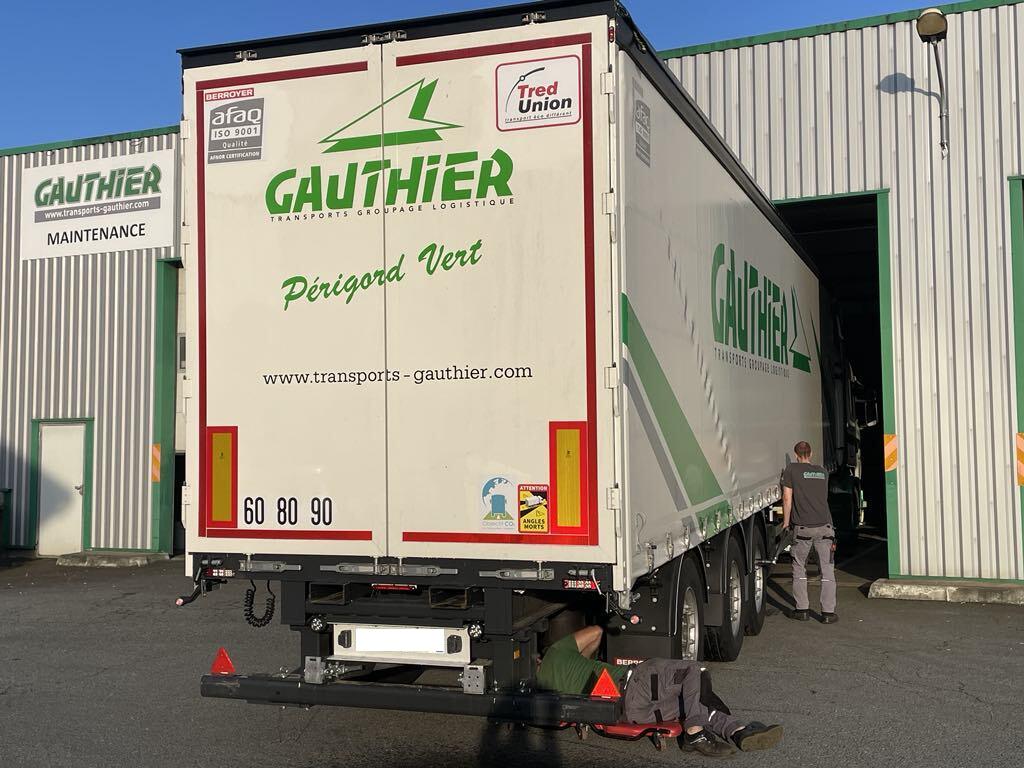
250, 596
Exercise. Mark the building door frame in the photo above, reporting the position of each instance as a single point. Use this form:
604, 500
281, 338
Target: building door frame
891, 454
34, 479
1016, 210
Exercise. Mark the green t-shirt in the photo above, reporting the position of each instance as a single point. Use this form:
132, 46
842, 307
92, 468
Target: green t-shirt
566, 670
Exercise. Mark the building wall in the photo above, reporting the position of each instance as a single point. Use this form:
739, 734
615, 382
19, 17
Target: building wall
856, 109
77, 341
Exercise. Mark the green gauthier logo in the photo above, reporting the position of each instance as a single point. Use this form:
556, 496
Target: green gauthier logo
751, 313
126, 181
455, 176
419, 129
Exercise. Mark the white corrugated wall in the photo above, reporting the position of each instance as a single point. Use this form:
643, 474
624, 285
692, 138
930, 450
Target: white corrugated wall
856, 110
76, 341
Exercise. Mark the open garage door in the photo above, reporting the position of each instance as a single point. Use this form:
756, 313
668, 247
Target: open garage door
845, 237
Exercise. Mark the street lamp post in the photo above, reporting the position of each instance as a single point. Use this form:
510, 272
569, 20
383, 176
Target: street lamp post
931, 28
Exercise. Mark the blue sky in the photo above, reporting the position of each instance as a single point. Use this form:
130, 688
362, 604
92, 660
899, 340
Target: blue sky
75, 69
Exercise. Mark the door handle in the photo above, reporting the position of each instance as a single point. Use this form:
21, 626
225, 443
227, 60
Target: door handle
79, 489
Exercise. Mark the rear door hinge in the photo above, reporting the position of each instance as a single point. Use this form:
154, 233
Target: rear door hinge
608, 207
608, 89
608, 82
520, 574
379, 38
425, 570
611, 377
266, 566
613, 497
358, 569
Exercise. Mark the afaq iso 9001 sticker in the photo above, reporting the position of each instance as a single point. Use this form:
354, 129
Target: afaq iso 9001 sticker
533, 509
498, 504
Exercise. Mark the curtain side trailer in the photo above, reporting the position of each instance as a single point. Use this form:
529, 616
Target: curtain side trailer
494, 338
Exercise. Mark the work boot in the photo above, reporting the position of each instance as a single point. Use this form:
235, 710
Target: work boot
704, 742
800, 614
829, 618
757, 736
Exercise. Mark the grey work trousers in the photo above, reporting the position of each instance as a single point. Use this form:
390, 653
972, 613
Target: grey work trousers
657, 687
820, 537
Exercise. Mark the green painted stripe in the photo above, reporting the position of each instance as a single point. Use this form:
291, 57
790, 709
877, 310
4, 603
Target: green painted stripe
28, 539
392, 139
164, 383
826, 29
892, 511
92, 140
1017, 262
698, 479
716, 518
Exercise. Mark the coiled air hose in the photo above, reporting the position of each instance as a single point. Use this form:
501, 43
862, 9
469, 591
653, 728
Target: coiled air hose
268, 614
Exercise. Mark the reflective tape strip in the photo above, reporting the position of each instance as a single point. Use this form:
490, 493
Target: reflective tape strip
1020, 458
154, 472
222, 491
568, 462
890, 453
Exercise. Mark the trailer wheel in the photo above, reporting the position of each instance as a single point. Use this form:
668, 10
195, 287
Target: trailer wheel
691, 612
757, 598
724, 642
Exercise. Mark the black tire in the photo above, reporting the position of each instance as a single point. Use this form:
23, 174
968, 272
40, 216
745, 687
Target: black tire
724, 642
688, 642
757, 583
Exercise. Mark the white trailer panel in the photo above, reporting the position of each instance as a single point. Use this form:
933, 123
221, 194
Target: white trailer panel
720, 328
403, 299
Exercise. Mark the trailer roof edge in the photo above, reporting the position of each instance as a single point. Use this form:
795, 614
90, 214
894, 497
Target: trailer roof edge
496, 17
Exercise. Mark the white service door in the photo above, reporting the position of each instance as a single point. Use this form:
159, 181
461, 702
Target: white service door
61, 484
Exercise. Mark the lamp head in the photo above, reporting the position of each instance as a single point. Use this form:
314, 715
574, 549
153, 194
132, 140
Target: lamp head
931, 25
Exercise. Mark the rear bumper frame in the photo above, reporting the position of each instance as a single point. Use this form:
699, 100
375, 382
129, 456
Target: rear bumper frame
549, 709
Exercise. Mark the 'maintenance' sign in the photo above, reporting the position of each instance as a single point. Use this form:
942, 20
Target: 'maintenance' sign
98, 206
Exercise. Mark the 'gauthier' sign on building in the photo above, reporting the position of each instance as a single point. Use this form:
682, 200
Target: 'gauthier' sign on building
98, 206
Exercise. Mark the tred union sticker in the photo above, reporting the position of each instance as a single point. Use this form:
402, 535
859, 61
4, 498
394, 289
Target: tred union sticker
533, 509
537, 94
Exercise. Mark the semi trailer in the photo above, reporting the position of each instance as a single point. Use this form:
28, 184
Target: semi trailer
495, 338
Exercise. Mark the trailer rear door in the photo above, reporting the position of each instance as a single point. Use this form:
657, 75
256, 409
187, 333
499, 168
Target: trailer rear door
288, 415
404, 299
492, 416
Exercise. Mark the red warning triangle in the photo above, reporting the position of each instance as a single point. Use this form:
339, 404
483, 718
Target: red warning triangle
222, 664
605, 687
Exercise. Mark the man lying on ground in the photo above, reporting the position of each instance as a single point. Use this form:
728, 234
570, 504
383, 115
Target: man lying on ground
657, 690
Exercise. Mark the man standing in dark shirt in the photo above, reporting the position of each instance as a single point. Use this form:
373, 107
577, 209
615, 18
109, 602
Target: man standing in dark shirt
805, 507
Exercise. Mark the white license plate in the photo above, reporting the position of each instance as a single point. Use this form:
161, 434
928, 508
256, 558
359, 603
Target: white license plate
432, 646
399, 640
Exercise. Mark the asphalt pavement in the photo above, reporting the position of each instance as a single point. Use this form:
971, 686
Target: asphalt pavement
99, 668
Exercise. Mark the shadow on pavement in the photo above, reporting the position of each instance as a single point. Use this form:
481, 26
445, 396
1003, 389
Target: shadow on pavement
502, 744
